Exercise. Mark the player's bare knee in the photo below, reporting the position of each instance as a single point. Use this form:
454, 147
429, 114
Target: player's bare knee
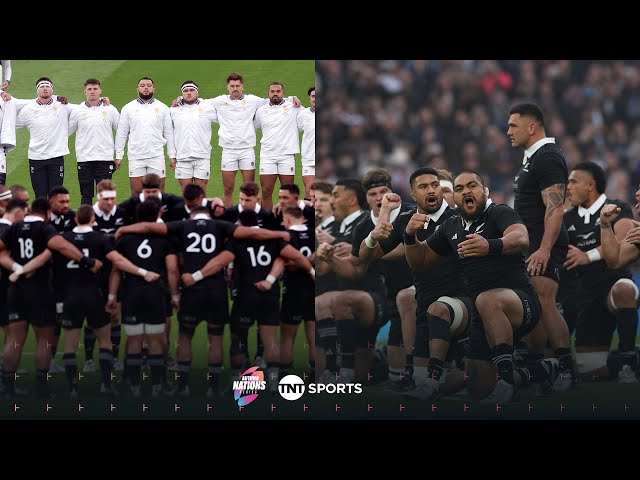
624, 295
487, 302
439, 309
342, 306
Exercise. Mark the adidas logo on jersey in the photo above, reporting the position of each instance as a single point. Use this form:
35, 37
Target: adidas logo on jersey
572, 228
455, 236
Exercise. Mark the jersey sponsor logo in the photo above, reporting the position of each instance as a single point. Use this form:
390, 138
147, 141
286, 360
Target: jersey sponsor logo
585, 235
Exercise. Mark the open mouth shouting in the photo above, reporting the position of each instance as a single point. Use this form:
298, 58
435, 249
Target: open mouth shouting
432, 201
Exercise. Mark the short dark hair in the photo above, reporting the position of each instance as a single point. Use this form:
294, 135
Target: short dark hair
40, 205
92, 81
147, 78
199, 209
148, 210
375, 178
596, 172
312, 89
43, 79
295, 212
479, 177
277, 83
250, 188
58, 190
192, 191
354, 185
291, 188
151, 180
248, 218
84, 214
14, 204
529, 110
422, 171
324, 187
235, 76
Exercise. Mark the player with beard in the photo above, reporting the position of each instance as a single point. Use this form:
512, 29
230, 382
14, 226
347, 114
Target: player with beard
192, 121
146, 123
443, 306
490, 241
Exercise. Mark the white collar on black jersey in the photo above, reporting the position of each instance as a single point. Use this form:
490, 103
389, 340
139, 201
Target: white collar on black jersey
392, 218
159, 220
55, 217
33, 218
435, 216
528, 153
349, 219
257, 209
595, 206
299, 228
466, 224
84, 229
141, 196
327, 221
203, 204
201, 216
5, 221
104, 215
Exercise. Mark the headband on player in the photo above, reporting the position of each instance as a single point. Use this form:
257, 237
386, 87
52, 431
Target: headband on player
371, 185
189, 85
5, 195
446, 183
107, 194
44, 84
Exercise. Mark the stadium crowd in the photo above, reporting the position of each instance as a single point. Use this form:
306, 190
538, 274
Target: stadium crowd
402, 114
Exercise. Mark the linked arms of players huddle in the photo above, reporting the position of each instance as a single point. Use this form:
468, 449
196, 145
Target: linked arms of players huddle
62, 246
223, 259
619, 249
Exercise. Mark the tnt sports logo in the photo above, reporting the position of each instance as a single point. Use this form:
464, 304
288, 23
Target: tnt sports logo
246, 389
291, 387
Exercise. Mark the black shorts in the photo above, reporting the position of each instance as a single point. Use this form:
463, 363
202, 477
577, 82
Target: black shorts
395, 328
557, 258
595, 324
145, 304
479, 348
203, 305
298, 305
84, 303
265, 309
33, 305
4, 311
367, 337
458, 347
